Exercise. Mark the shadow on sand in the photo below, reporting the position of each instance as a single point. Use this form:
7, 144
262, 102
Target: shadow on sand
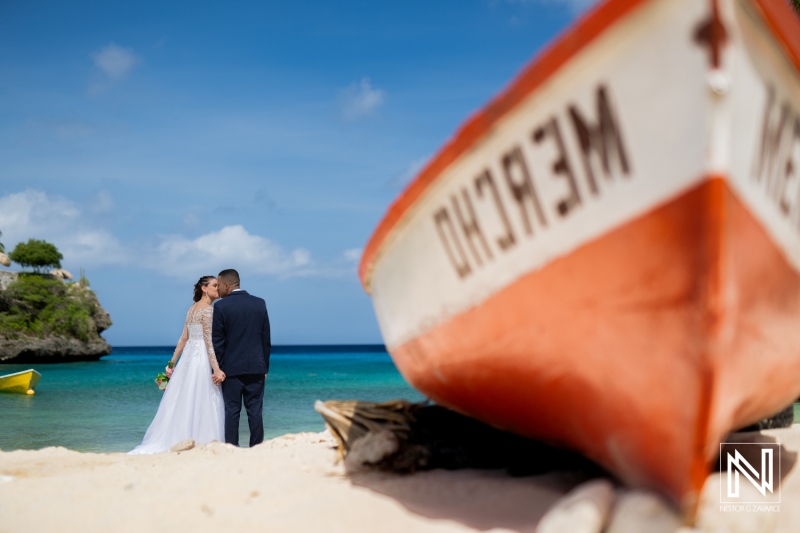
480, 499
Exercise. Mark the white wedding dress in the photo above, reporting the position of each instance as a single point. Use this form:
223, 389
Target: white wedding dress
191, 407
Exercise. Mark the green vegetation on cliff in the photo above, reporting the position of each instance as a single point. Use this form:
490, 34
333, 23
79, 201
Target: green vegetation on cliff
42, 317
37, 255
38, 306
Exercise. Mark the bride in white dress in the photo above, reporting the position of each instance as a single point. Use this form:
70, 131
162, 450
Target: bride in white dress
191, 407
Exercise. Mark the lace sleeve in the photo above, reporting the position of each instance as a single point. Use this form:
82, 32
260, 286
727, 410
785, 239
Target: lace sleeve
206, 319
182, 340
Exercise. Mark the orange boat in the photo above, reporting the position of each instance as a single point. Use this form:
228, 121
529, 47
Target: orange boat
607, 256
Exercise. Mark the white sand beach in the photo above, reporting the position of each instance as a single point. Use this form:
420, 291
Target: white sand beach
293, 483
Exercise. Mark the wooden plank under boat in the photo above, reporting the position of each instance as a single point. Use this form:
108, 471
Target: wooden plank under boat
22, 382
607, 256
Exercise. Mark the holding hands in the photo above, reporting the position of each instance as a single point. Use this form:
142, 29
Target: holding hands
218, 377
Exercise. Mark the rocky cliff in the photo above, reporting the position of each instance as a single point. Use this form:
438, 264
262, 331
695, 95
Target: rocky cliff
43, 319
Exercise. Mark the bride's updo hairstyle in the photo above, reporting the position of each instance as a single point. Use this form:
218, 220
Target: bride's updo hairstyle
198, 287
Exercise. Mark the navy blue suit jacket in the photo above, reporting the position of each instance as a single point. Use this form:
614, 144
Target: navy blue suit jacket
240, 333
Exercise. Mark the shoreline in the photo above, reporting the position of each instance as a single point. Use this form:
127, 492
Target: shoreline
292, 483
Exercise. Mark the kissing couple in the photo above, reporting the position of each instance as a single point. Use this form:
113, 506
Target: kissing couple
221, 360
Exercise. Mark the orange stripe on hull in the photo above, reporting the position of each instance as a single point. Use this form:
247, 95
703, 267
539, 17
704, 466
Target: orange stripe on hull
641, 349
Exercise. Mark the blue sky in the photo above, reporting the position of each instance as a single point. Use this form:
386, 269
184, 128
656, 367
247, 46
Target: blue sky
155, 142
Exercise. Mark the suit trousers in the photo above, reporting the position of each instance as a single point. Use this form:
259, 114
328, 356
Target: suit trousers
250, 388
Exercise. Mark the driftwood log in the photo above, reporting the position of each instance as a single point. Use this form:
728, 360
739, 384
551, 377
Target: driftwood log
405, 437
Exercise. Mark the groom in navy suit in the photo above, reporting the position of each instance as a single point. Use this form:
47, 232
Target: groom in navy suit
241, 337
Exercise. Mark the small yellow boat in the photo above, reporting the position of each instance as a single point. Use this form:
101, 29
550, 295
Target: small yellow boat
22, 382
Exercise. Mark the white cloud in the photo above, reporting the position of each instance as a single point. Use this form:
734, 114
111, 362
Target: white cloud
354, 254
230, 247
79, 232
102, 203
93, 248
31, 211
116, 62
345, 266
34, 214
360, 100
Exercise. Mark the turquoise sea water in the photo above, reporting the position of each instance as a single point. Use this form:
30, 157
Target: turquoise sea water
107, 405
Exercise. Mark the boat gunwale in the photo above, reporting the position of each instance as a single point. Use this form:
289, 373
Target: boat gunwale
785, 24
778, 16
19, 373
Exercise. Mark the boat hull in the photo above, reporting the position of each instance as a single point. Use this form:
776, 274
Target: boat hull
641, 349
607, 257
20, 382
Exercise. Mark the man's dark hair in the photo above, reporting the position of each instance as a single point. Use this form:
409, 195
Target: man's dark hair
229, 276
